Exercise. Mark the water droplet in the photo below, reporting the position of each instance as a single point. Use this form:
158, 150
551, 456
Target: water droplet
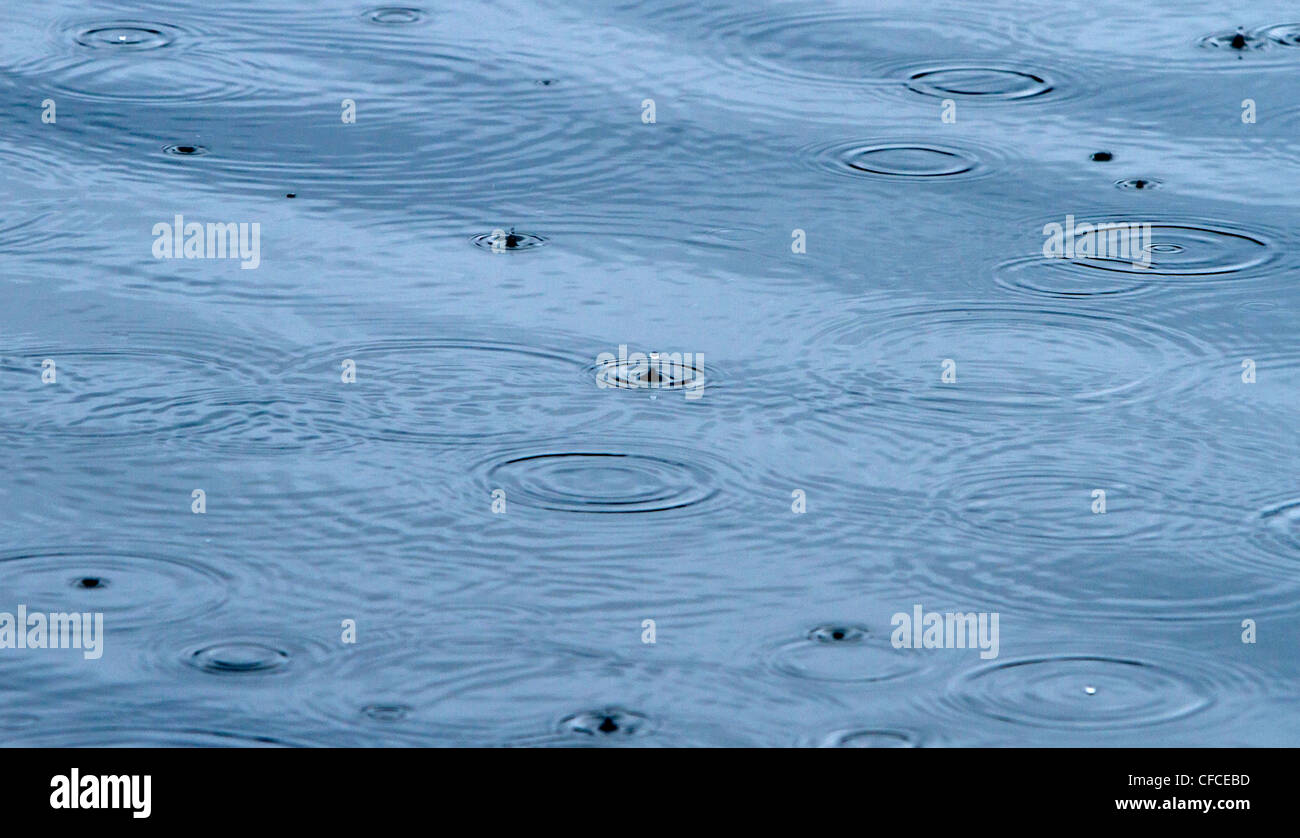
1237, 41
1046, 692
1102, 156
127, 36
1204, 250
131, 589
659, 371
1138, 183
502, 241
606, 722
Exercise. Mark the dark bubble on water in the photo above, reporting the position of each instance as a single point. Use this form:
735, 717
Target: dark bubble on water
1237, 41
1101, 156
838, 634
609, 721
1138, 184
843, 653
502, 240
132, 589
185, 150
661, 372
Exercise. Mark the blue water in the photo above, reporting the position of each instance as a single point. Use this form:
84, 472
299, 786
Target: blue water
660, 164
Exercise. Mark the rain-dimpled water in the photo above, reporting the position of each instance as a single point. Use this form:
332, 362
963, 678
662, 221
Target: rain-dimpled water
384, 468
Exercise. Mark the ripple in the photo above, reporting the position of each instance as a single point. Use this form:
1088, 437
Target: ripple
29, 233
726, 238
870, 738
1051, 506
1024, 534
858, 656
247, 656
125, 736
838, 634
1191, 249
185, 150
119, 393
1139, 184
899, 160
1236, 41
500, 241
131, 589
1081, 692
107, 65
389, 685
1165, 43
1284, 519
667, 374
977, 82
386, 712
1276, 531
1182, 251
608, 721
845, 49
603, 482
1282, 34
394, 15
430, 390
1006, 358
127, 35
1035, 276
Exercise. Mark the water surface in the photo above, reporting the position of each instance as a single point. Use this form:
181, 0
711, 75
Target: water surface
499, 214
